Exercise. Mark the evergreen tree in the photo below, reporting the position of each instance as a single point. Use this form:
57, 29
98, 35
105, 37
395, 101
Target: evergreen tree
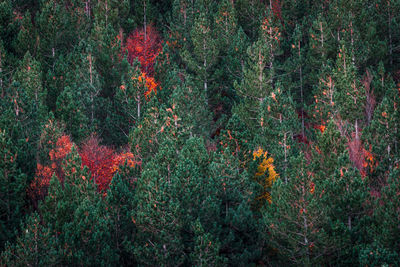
69, 111
206, 251
74, 211
204, 54
189, 102
131, 99
386, 231
257, 80
349, 94
250, 13
120, 208
29, 78
12, 189
159, 214
346, 202
382, 135
35, 246
21, 120
279, 127
107, 37
238, 227
27, 40
295, 218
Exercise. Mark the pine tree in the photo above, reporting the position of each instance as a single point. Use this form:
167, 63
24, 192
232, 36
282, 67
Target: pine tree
159, 124
159, 214
386, 231
203, 55
238, 224
321, 47
35, 245
29, 78
295, 218
107, 37
296, 82
349, 94
382, 134
70, 111
75, 213
131, 98
12, 189
181, 20
120, 209
206, 251
346, 200
87, 81
9, 25
21, 119
27, 40
250, 13
279, 126
189, 102
257, 82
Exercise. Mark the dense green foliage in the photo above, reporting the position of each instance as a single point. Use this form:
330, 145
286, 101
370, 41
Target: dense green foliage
232, 133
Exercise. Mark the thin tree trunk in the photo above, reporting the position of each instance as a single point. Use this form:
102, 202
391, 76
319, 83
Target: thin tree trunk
349, 221
305, 230
390, 35
92, 94
138, 107
145, 30
301, 93
357, 137
1, 79
106, 12
285, 153
352, 42
205, 72
322, 42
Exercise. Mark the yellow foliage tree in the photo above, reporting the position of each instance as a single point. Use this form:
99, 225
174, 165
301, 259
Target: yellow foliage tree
266, 173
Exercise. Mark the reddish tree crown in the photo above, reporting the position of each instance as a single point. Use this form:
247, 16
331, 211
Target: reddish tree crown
145, 45
103, 162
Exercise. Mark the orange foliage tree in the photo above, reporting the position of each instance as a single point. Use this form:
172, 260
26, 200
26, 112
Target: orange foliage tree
44, 173
149, 83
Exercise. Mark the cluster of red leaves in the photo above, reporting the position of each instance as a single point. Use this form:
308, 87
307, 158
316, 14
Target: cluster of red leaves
145, 45
99, 160
103, 162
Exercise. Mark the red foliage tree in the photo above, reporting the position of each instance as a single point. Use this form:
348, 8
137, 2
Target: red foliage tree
145, 45
102, 162
99, 160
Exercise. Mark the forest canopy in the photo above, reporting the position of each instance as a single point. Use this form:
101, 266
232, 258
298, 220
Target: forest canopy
199, 133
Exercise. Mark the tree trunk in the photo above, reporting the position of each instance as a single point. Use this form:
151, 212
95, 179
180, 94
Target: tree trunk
138, 108
390, 35
145, 30
205, 72
301, 93
322, 42
356, 126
